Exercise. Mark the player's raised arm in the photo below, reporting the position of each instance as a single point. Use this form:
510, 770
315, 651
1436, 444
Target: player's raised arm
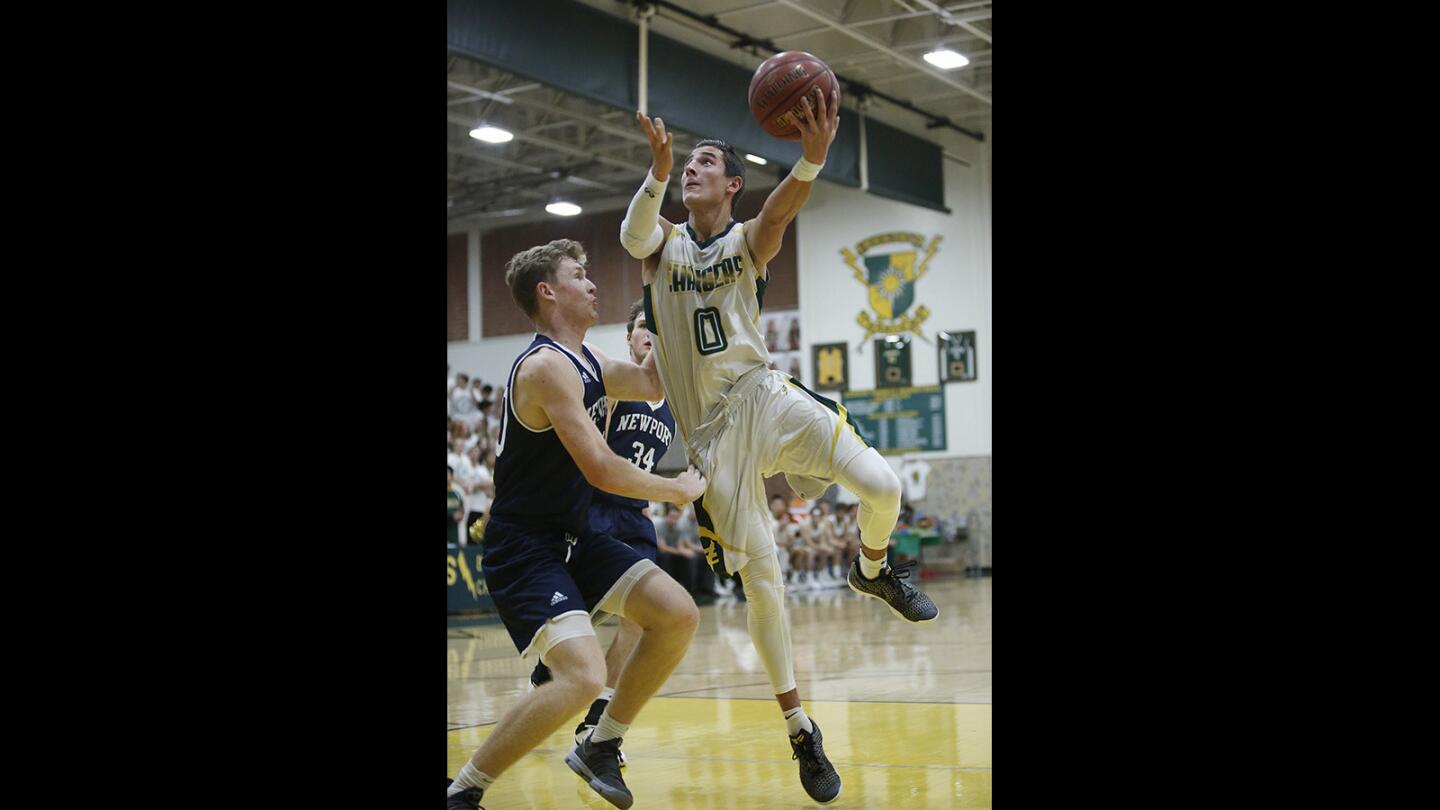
818, 123
643, 230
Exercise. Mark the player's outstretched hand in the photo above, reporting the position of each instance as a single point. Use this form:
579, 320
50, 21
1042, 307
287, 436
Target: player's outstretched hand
692, 485
818, 124
662, 143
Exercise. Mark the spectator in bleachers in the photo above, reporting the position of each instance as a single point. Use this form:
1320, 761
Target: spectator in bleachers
848, 529
478, 481
489, 423
829, 564
791, 554
457, 430
680, 556
455, 508
463, 407
456, 456
675, 557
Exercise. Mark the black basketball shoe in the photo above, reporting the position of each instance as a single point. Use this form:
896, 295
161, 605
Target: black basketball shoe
592, 719
891, 588
817, 775
467, 799
540, 676
599, 765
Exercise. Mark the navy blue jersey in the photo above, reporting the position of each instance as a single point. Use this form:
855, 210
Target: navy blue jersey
537, 483
639, 434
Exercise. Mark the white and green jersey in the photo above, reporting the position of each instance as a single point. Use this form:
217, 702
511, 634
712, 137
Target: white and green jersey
703, 308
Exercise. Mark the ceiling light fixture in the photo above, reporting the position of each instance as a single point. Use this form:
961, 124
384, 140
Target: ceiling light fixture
491, 134
755, 159
563, 209
946, 59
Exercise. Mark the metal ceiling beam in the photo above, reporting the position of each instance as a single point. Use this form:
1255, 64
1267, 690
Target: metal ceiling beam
587, 183
743, 9
502, 96
861, 57
461, 120
880, 46
475, 91
525, 184
910, 74
874, 21
476, 154
466, 194
754, 45
586, 118
982, 15
938, 96
964, 22
976, 31
526, 170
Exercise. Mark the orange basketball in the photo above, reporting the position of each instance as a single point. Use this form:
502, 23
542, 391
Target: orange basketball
778, 86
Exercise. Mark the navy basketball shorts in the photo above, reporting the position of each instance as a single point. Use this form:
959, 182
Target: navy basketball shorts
535, 574
626, 524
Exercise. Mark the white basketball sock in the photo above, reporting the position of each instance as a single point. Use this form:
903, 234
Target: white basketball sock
608, 728
798, 721
469, 777
870, 568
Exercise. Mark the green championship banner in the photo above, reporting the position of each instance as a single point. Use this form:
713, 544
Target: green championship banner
899, 420
465, 585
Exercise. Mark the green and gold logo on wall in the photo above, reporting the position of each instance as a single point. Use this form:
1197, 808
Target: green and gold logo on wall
891, 265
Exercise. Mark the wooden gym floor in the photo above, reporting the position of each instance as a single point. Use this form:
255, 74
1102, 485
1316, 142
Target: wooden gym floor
905, 710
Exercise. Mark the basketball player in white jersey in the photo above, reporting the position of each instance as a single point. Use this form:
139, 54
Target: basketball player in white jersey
704, 285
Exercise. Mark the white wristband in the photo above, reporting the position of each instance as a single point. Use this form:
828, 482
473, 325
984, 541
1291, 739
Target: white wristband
805, 171
654, 189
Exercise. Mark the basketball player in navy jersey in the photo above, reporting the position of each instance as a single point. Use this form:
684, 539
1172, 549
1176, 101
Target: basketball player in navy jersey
640, 432
547, 572
705, 282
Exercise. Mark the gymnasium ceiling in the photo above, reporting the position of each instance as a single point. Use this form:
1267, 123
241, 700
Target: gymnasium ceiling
572, 148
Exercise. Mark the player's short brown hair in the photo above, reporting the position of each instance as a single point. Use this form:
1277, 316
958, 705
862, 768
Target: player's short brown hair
534, 265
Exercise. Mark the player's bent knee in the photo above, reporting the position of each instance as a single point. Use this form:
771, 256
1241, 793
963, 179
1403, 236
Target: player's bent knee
578, 665
585, 681
884, 489
658, 603
689, 618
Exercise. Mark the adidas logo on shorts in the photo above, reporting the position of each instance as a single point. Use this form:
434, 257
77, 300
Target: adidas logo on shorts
557, 598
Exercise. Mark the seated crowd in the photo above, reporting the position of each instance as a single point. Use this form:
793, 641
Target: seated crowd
815, 540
